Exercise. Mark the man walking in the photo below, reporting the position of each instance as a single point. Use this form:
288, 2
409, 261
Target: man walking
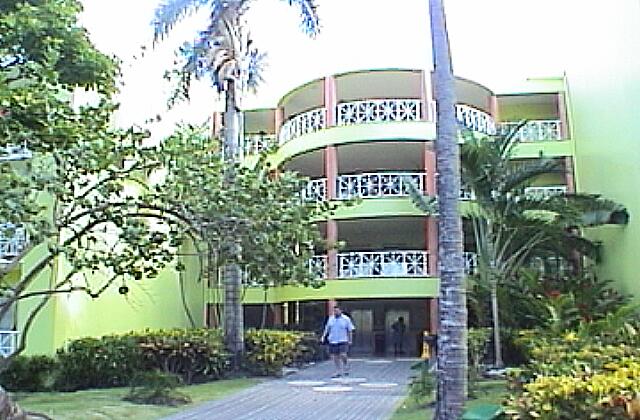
338, 332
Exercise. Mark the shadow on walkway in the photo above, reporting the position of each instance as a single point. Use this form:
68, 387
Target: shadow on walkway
372, 390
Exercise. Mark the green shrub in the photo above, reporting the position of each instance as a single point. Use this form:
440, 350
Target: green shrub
423, 385
29, 373
157, 388
98, 362
193, 354
268, 351
310, 349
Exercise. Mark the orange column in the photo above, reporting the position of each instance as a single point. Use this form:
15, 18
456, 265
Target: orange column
278, 119
568, 175
431, 223
426, 96
434, 316
429, 165
332, 252
562, 113
330, 100
493, 108
331, 170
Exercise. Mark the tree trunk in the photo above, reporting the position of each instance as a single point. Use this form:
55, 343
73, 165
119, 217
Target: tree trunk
452, 340
232, 275
497, 342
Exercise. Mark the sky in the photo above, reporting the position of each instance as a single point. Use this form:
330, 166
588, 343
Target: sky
498, 43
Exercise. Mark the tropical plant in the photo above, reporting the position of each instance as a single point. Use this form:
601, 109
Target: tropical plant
452, 343
158, 388
225, 54
510, 227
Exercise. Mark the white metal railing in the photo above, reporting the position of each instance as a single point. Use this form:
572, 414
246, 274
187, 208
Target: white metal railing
11, 246
470, 262
378, 184
318, 266
8, 342
378, 110
550, 265
536, 130
475, 120
547, 191
12, 152
306, 122
316, 190
466, 193
256, 143
383, 264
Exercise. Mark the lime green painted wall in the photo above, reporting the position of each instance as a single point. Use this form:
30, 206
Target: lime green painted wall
604, 96
365, 288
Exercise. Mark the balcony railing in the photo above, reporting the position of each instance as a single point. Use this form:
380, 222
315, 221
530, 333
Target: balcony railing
383, 184
307, 122
475, 120
378, 110
256, 143
8, 342
470, 262
11, 245
316, 190
12, 152
537, 130
318, 266
466, 193
547, 191
383, 264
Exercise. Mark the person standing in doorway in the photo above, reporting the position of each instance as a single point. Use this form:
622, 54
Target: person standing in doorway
398, 329
338, 332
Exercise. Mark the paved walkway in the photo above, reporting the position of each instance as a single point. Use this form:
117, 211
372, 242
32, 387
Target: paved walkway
371, 392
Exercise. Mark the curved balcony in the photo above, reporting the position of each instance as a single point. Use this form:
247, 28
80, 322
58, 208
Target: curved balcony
378, 111
367, 185
536, 130
13, 240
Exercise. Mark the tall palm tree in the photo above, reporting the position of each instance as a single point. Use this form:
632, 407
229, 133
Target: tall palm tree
452, 342
224, 53
510, 227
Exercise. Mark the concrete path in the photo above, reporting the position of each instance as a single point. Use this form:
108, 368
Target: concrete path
372, 391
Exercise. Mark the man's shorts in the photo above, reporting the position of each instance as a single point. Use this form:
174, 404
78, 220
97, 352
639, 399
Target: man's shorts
338, 348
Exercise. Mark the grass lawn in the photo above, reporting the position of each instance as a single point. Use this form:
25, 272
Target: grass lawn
107, 403
489, 392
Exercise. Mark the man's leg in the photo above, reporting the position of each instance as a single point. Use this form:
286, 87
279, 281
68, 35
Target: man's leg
343, 355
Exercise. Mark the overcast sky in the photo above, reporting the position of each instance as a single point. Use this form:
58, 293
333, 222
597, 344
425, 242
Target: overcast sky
495, 42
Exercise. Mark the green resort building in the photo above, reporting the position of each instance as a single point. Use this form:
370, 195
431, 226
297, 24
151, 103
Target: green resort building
362, 134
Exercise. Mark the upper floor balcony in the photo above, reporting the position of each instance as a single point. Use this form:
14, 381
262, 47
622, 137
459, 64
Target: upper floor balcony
536, 130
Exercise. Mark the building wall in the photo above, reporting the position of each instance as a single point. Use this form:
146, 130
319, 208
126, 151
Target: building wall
604, 97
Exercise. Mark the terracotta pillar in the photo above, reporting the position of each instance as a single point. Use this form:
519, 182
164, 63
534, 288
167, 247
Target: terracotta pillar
568, 175
332, 253
278, 116
494, 109
216, 125
434, 316
429, 166
331, 170
426, 97
277, 314
330, 304
330, 100
432, 244
562, 113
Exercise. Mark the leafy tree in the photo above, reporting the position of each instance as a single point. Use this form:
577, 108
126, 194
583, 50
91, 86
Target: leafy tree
452, 341
224, 53
510, 227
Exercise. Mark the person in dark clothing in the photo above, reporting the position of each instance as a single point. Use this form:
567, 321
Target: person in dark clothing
398, 329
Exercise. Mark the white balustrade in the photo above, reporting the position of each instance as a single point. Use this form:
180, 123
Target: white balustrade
382, 184
378, 110
318, 266
547, 191
13, 240
536, 130
383, 264
316, 190
470, 262
306, 122
475, 120
256, 143
12, 152
550, 265
466, 193
8, 342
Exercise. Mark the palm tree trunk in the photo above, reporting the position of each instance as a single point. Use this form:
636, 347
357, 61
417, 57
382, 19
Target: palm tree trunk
232, 275
497, 342
452, 340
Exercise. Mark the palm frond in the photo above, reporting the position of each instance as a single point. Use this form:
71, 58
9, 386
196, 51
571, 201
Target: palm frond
522, 174
427, 204
170, 12
308, 12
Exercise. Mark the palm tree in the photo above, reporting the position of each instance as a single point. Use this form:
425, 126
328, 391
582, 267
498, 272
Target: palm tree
510, 227
452, 343
224, 53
